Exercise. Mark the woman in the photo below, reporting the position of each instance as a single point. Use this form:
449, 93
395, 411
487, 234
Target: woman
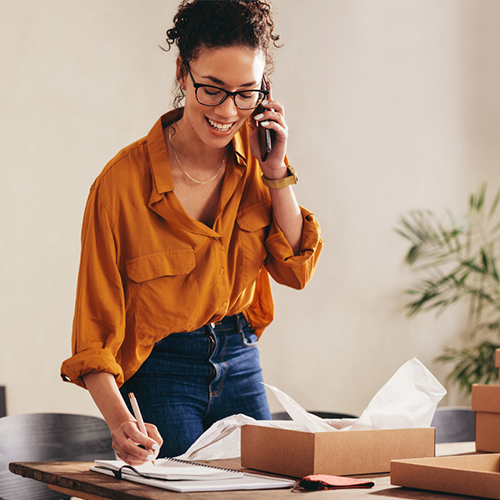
181, 231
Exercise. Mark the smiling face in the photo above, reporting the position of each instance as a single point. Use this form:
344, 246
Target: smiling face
231, 68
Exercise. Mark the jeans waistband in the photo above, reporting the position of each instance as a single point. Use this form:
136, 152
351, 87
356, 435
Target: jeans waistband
236, 321
229, 320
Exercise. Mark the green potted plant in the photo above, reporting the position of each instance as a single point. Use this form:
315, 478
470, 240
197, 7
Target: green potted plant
456, 261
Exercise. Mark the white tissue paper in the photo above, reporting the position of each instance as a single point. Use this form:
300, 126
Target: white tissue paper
408, 400
221, 440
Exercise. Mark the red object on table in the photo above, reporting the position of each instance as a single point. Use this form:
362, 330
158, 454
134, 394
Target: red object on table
326, 482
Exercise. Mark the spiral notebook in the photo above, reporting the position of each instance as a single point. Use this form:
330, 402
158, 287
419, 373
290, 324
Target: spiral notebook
183, 476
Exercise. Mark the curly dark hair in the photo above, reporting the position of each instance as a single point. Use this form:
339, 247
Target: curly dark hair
202, 24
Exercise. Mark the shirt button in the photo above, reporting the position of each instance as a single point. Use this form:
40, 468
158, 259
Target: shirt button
221, 270
224, 304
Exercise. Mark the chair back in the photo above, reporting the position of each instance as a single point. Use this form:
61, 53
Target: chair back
48, 437
454, 424
3, 402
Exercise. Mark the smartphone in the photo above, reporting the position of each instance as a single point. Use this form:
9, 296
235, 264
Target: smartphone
265, 142
265, 135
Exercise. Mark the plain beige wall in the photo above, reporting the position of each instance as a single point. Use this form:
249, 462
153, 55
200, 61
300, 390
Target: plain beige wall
392, 105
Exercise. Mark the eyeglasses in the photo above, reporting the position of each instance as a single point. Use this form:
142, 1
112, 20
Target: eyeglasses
208, 95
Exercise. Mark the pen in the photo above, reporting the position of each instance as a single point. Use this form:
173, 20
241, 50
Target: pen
138, 415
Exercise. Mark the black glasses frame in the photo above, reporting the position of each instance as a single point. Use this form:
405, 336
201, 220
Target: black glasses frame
227, 93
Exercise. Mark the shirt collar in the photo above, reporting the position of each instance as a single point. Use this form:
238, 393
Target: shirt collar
239, 147
160, 164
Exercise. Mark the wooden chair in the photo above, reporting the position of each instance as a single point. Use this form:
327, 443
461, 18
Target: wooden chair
40, 437
454, 424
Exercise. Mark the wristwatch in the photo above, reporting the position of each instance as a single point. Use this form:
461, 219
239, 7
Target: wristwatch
293, 178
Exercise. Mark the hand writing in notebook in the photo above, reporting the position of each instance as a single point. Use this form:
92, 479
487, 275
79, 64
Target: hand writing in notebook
128, 439
130, 444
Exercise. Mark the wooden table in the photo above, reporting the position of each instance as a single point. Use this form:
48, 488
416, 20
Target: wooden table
75, 478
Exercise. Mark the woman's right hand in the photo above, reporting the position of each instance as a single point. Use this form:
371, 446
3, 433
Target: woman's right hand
127, 439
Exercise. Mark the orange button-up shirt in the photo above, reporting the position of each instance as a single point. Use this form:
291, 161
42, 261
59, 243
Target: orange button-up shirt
148, 269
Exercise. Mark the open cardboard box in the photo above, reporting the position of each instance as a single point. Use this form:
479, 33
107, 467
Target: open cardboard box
474, 475
298, 453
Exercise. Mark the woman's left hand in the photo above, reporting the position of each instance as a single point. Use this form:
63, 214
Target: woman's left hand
270, 115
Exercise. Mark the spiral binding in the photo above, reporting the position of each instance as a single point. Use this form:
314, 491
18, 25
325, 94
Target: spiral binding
198, 464
259, 476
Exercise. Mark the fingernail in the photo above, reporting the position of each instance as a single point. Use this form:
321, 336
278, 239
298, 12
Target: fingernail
259, 117
264, 123
156, 447
150, 458
265, 101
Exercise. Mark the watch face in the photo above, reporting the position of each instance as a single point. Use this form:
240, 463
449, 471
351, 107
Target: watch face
294, 174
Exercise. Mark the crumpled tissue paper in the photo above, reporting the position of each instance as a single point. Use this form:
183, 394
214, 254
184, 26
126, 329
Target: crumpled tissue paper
408, 400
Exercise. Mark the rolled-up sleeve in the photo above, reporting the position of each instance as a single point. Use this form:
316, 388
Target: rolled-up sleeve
99, 321
283, 265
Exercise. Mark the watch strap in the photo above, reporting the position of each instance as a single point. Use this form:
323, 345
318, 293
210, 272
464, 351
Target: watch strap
293, 178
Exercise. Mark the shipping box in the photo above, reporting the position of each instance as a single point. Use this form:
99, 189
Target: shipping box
299, 453
486, 404
461, 475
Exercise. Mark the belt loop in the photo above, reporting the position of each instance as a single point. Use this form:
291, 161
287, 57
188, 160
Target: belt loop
239, 323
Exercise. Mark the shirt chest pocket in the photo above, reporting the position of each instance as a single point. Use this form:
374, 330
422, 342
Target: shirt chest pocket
159, 264
163, 290
253, 224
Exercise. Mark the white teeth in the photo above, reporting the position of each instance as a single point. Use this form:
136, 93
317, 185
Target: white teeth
219, 126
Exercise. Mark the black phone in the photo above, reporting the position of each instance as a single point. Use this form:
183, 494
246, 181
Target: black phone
265, 135
265, 141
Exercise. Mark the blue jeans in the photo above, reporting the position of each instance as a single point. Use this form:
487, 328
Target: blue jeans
193, 379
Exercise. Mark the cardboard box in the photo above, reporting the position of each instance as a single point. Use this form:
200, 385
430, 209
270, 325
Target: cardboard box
486, 404
460, 475
298, 453
486, 398
487, 435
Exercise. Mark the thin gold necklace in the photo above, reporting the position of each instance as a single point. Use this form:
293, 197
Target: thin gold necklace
183, 169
